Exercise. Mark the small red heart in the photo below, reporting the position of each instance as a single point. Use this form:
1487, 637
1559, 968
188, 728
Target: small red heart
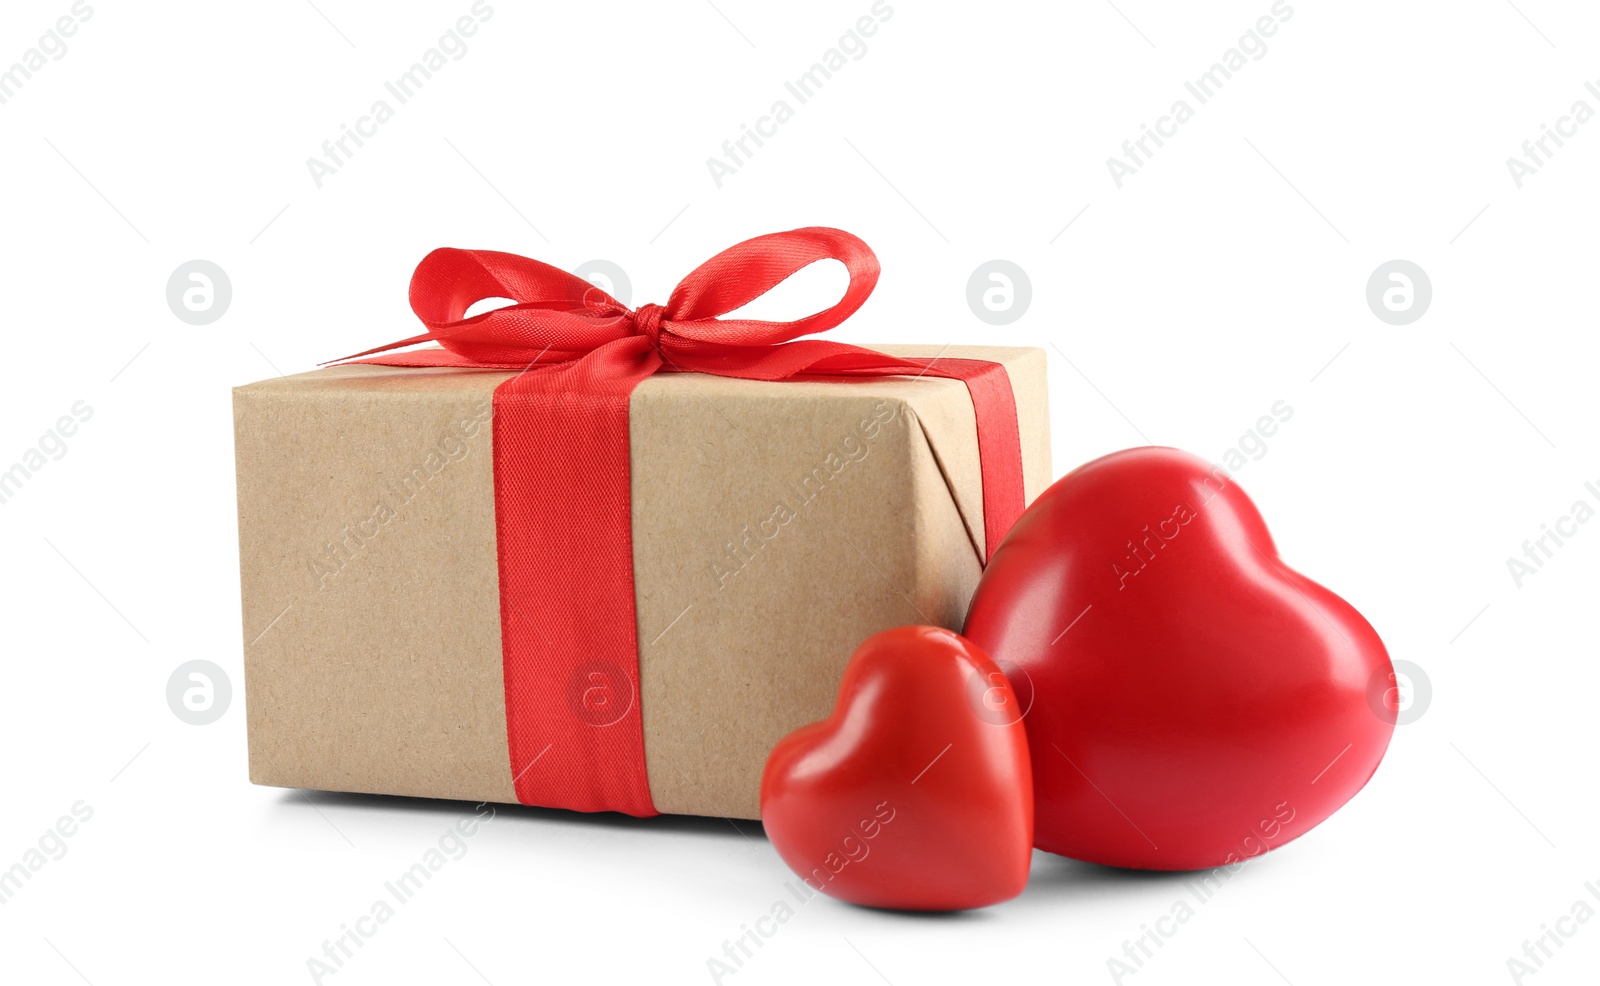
916, 793
1195, 702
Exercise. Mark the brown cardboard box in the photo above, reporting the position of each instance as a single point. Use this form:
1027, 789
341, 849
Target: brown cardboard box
772, 534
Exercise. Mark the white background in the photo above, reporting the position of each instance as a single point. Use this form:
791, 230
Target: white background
1227, 274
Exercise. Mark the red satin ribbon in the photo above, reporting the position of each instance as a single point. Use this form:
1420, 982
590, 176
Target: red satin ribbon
562, 487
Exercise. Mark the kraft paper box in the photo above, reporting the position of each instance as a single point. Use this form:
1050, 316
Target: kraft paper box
775, 527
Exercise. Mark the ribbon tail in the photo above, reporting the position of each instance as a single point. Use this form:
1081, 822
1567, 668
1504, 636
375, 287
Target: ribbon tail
414, 340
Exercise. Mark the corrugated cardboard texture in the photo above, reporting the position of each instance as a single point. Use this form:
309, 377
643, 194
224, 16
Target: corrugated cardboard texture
776, 526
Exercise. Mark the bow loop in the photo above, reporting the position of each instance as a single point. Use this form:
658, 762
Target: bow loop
746, 271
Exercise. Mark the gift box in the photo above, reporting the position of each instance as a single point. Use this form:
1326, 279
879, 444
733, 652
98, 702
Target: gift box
628, 618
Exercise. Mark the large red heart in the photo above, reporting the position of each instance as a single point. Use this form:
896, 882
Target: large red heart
1195, 702
916, 793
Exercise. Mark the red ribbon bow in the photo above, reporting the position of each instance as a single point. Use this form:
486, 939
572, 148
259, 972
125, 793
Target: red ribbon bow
561, 465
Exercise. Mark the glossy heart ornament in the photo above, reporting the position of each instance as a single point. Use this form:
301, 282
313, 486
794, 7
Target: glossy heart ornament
916, 793
1195, 702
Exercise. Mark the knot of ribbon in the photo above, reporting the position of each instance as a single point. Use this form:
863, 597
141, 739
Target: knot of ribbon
562, 482
647, 322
